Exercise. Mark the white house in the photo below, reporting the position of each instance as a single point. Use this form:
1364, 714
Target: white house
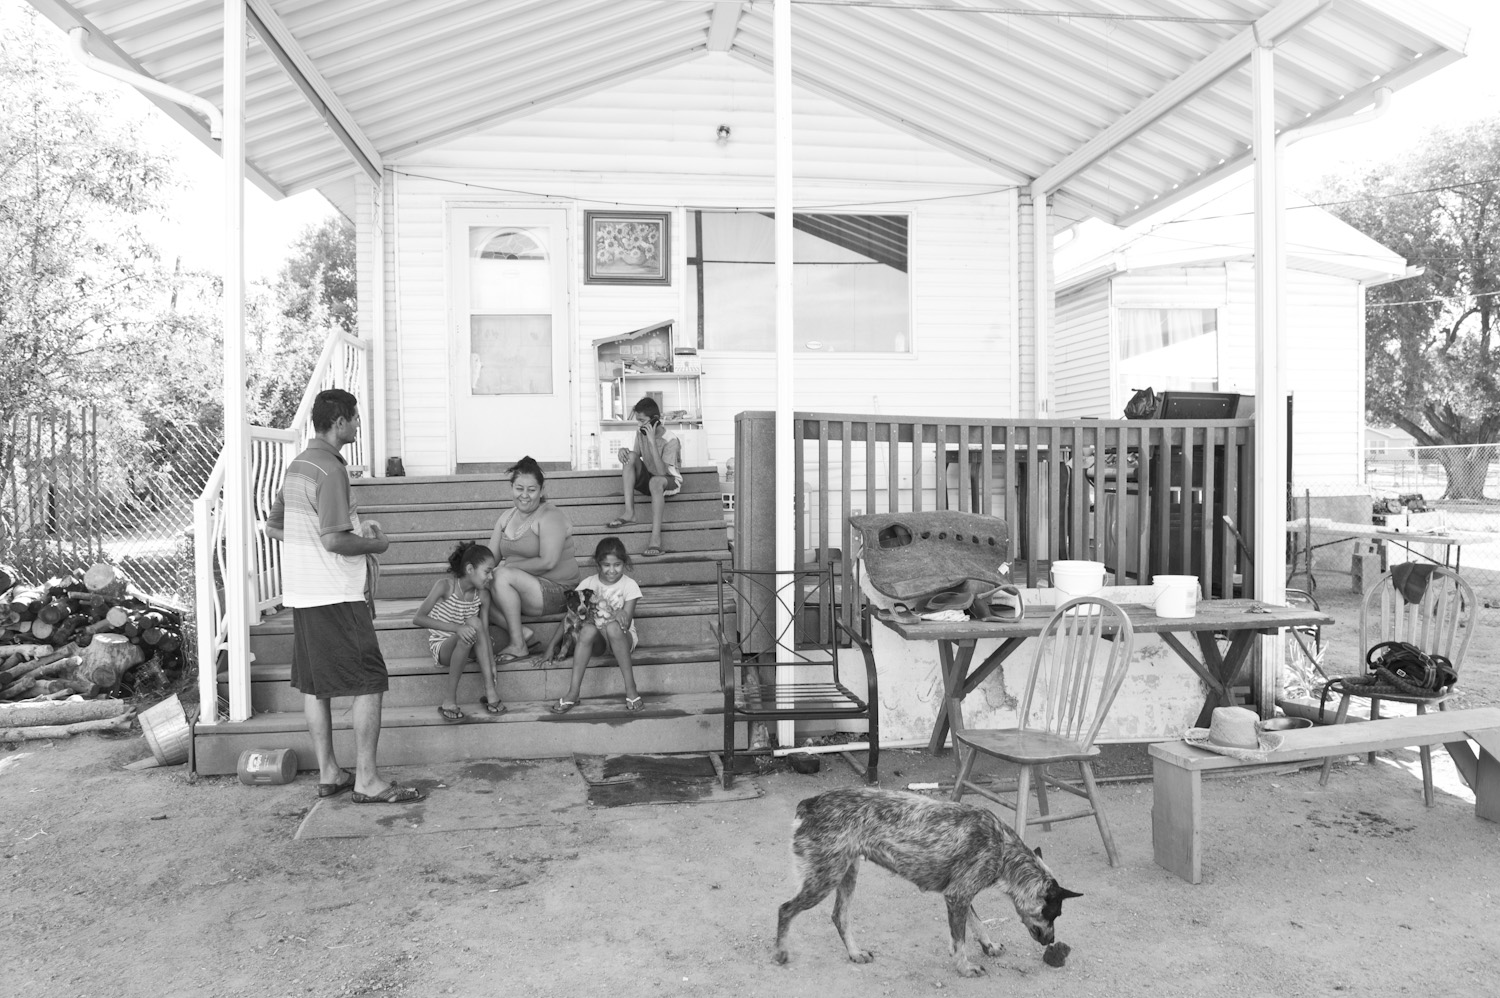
1169, 304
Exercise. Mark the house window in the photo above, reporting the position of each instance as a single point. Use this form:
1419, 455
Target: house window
1167, 349
850, 291
510, 323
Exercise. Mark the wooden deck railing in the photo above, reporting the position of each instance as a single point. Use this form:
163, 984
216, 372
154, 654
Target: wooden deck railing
1100, 490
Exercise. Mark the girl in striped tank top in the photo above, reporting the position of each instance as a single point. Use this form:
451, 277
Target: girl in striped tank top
454, 614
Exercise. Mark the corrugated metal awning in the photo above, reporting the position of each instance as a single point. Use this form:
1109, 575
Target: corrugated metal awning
1117, 105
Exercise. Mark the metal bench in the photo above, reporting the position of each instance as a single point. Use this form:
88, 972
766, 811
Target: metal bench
1177, 768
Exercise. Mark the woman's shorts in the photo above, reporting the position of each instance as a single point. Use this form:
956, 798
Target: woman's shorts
335, 652
643, 482
554, 595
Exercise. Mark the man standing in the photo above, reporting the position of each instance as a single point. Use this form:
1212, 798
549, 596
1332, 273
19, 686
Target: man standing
335, 652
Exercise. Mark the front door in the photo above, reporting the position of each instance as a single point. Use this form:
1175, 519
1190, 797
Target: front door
509, 367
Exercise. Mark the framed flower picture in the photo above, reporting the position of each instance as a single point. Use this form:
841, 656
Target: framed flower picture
627, 247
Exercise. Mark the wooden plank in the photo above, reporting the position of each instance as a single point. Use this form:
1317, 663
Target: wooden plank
1339, 739
823, 497
986, 473
1176, 813
940, 467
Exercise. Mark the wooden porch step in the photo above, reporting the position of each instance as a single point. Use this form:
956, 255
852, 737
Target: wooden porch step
415, 580
665, 615
690, 722
672, 669
434, 545
477, 519
561, 486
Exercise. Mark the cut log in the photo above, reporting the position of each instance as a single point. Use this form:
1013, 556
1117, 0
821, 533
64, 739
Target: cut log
42, 655
41, 629
105, 579
106, 659
63, 730
117, 617
24, 715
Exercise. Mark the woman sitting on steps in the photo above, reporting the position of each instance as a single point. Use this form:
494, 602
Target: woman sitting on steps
534, 540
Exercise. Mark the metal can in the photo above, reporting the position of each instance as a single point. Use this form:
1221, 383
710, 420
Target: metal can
267, 766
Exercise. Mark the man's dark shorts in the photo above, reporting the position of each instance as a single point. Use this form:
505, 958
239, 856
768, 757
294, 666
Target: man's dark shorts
335, 652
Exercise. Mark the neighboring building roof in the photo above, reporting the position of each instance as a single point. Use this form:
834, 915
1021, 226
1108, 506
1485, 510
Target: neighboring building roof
1119, 106
1219, 226
1391, 434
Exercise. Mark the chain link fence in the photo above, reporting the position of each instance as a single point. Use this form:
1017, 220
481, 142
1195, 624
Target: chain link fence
1448, 494
77, 488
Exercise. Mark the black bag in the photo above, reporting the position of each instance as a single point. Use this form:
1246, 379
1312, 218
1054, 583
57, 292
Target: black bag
1408, 665
1144, 404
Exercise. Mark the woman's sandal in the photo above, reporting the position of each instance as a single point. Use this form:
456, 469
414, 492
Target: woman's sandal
635, 704
563, 706
451, 714
497, 707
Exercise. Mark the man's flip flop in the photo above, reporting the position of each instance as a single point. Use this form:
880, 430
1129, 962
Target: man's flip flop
451, 713
494, 708
346, 782
563, 706
393, 794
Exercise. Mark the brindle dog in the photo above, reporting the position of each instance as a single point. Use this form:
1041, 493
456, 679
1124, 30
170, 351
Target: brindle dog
579, 608
954, 848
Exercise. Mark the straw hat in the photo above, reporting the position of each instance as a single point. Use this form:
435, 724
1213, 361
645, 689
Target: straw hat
1235, 732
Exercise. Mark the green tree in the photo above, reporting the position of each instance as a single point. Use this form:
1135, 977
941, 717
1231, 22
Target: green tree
320, 275
77, 278
1429, 343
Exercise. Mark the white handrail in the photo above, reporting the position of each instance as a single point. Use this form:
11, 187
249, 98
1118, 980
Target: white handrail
340, 365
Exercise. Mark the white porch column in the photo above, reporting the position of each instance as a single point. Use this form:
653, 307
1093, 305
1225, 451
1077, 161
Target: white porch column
786, 496
238, 591
1041, 291
1270, 404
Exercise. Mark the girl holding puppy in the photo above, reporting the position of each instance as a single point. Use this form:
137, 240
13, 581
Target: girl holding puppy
454, 614
615, 594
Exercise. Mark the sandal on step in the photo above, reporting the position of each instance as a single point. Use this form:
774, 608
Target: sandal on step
635, 704
617, 523
652, 551
563, 706
497, 707
451, 714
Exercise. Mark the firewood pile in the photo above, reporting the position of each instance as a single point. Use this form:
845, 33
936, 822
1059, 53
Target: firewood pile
87, 636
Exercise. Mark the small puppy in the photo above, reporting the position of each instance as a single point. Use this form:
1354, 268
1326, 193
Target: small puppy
953, 848
580, 606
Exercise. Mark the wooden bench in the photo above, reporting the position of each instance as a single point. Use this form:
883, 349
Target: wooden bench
1177, 768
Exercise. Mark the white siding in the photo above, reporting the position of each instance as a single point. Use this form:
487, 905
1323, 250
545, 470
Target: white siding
649, 144
1082, 355
1323, 357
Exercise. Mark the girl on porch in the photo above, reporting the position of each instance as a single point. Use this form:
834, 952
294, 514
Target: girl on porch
534, 540
454, 614
614, 620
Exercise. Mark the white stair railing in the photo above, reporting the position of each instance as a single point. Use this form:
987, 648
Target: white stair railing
340, 365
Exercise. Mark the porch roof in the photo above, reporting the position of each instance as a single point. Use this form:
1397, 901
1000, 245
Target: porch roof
1119, 106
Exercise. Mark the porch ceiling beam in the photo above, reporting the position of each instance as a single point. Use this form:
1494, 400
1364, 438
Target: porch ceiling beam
1431, 61
1232, 54
723, 25
288, 52
66, 16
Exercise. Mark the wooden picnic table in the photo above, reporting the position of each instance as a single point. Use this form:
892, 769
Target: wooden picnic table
1243, 620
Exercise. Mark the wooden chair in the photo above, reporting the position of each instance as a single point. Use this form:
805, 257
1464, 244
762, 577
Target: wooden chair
1067, 697
1440, 624
789, 673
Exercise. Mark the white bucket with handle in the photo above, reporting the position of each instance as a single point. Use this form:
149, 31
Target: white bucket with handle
1176, 595
1077, 578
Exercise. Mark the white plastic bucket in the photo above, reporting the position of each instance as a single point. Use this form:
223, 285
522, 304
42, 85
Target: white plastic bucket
1077, 578
1176, 595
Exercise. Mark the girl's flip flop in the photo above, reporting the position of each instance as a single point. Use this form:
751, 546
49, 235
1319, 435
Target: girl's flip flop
495, 707
451, 714
563, 706
635, 704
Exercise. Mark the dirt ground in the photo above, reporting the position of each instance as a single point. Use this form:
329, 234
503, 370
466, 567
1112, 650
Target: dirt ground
122, 883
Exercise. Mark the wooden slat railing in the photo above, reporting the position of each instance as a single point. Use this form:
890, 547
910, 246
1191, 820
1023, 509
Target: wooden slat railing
1101, 490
